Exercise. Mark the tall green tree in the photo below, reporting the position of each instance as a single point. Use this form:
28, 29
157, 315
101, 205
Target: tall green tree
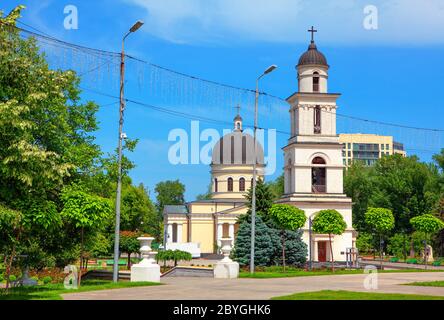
358, 186
329, 222
169, 193
381, 221
264, 201
286, 217
46, 130
428, 224
85, 212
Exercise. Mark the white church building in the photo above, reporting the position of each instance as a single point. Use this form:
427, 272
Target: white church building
313, 156
313, 173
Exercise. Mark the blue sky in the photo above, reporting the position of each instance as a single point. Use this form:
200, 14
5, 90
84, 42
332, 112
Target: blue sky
393, 74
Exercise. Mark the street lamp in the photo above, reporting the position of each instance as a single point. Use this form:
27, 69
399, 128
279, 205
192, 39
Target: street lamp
134, 28
253, 198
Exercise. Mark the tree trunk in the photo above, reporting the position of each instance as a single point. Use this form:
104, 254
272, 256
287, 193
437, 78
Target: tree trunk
412, 248
283, 248
129, 261
380, 251
331, 252
9, 266
11, 259
404, 251
81, 258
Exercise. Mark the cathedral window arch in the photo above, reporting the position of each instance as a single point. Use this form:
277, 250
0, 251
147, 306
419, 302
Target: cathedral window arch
216, 186
230, 184
242, 184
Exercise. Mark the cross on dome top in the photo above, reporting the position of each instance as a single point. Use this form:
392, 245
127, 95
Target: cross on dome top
312, 30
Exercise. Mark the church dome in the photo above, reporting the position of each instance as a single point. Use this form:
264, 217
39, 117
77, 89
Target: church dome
237, 148
313, 57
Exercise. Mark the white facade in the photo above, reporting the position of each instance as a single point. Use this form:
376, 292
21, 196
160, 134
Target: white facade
313, 157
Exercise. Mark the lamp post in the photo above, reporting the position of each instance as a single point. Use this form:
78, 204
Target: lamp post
253, 197
134, 28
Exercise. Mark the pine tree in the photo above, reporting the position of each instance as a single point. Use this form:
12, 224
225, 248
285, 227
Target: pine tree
264, 201
295, 249
263, 243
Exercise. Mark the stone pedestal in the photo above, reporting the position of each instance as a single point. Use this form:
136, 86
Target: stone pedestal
226, 268
147, 269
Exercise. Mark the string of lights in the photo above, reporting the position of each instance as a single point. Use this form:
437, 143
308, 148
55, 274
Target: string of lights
205, 119
103, 53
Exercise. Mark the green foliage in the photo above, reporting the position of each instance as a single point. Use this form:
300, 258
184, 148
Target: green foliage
287, 217
364, 243
84, 210
295, 248
402, 184
358, 186
399, 245
138, 212
99, 245
405, 186
47, 280
277, 187
128, 242
264, 201
380, 220
263, 244
329, 222
169, 193
173, 255
45, 129
427, 223
10, 222
12, 278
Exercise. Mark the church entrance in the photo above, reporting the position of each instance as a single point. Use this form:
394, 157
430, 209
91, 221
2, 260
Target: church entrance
322, 251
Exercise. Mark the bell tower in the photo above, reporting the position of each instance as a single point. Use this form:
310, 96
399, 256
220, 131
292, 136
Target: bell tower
313, 156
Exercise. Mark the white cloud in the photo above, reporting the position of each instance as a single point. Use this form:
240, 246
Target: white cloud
220, 21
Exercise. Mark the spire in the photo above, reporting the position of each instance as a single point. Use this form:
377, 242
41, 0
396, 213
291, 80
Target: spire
238, 120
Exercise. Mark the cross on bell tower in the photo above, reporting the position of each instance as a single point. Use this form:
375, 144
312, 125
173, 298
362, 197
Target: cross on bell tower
313, 31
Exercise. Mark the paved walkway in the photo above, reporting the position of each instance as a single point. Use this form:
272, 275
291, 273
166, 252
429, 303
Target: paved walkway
261, 289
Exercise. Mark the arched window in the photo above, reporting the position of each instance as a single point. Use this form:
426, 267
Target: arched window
241, 184
317, 120
318, 176
316, 82
216, 187
318, 160
230, 184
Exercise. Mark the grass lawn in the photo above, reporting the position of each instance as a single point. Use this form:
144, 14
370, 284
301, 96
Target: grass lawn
351, 295
54, 291
427, 284
277, 272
